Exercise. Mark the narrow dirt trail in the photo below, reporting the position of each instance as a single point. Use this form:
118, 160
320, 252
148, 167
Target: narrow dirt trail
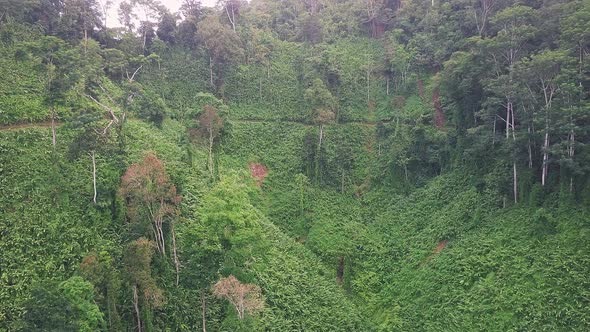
18, 126
363, 122
47, 124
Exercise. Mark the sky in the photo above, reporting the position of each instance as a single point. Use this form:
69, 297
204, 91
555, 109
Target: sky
173, 5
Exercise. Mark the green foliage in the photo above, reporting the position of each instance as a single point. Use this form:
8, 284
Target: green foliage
385, 144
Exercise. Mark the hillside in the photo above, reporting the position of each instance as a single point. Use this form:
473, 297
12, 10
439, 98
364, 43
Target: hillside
317, 165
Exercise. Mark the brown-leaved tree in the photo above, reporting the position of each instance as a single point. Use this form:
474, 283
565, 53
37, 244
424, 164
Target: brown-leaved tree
244, 297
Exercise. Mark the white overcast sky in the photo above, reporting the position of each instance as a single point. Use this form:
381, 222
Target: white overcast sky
173, 5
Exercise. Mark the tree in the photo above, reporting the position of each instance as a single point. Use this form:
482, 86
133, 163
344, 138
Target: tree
126, 15
245, 298
541, 74
93, 137
515, 29
152, 203
210, 126
232, 10
311, 29
61, 65
67, 306
100, 270
400, 59
167, 28
146, 294
79, 19
222, 44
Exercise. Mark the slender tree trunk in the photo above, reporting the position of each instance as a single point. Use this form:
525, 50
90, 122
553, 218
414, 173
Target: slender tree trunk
387, 86
174, 253
85, 41
545, 167
515, 182
136, 307
231, 18
494, 131
340, 270
161, 228
508, 113
319, 154
321, 136
211, 71
510, 128
571, 151
204, 310
144, 39
530, 149
53, 138
368, 80
406, 171
211, 151
93, 175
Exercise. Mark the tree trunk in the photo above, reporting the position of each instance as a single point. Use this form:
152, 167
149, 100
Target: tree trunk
85, 41
570, 152
494, 131
210, 162
144, 40
231, 18
93, 176
53, 138
319, 154
174, 253
321, 136
515, 182
204, 310
508, 113
406, 171
340, 270
530, 149
211, 71
136, 307
260, 89
545, 167
368, 81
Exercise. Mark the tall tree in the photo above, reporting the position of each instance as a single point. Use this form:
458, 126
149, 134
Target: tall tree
210, 127
222, 45
152, 203
515, 29
232, 10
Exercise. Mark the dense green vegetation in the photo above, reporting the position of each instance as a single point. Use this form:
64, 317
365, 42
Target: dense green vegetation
290, 165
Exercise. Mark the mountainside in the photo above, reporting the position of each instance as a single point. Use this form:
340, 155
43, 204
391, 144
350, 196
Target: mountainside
317, 165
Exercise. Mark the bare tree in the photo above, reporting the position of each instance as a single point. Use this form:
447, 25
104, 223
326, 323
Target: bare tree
245, 298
